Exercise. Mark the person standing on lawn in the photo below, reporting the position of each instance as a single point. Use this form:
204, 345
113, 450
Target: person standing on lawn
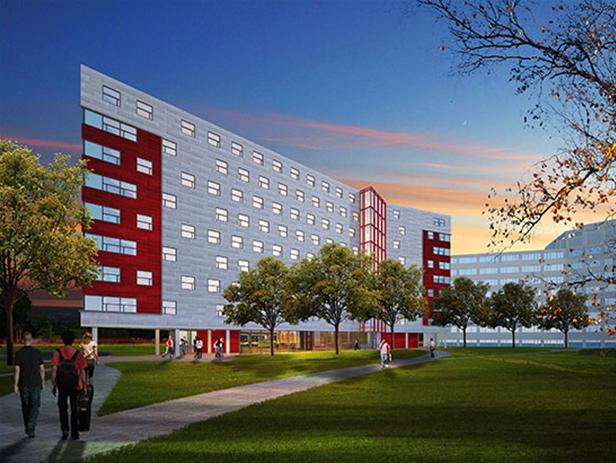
385, 351
90, 353
432, 347
199, 350
68, 378
219, 347
29, 382
356, 345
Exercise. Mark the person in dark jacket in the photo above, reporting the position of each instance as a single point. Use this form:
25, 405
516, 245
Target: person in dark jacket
29, 382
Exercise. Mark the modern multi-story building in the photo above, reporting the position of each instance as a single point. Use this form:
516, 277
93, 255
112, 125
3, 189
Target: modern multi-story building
181, 206
582, 259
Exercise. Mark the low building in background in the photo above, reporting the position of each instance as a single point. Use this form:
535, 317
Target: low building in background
181, 206
570, 258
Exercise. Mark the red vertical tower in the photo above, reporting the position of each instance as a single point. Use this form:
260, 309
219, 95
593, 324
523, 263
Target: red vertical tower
436, 265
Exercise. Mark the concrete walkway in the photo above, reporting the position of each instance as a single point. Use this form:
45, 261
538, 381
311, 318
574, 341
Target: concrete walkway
112, 431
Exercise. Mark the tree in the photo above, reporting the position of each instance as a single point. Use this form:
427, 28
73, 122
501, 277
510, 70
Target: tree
41, 228
21, 313
460, 304
569, 58
400, 294
564, 311
260, 296
335, 286
513, 306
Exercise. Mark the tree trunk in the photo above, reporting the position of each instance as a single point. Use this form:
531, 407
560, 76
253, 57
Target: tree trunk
513, 338
336, 328
272, 342
9, 302
393, 339
566, 338
464, 336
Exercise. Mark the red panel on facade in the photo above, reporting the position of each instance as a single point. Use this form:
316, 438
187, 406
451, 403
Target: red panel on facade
428, 244
399, 337
413, 340
148, 202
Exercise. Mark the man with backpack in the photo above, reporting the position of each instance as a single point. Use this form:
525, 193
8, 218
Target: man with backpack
68, 367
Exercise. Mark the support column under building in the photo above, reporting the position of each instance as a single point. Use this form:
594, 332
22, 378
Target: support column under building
157, 341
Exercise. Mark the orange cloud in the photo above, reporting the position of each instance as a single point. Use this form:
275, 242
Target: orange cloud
42, 143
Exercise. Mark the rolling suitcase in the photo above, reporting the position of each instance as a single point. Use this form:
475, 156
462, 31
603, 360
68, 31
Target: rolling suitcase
84, 408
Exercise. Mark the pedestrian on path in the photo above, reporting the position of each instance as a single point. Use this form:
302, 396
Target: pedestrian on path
356, 345
169, 349
385, 351
219, 348
90, 353
432, 347
29, 382
67, 379
183, 346
199, 348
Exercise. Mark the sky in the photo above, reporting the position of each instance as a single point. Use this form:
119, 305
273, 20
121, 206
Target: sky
357, 90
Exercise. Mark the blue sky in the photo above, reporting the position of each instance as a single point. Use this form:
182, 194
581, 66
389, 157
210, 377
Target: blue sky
356, 89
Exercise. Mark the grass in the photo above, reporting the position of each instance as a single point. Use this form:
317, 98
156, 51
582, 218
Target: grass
171, 380
478, 406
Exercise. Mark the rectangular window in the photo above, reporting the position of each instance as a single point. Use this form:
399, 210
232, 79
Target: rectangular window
144, 222
299, 195
144, 278
108, 274
299, 234
213, 188
325, 186
294, 213
310, 218
188, 282
339, 192
277, 166
315, 239
169, 254
222, 167
111, 185
110, 304
264, 182
257, 157
188, 128
169, 201
264, 226
444, 237
110, 125
430, 292
170, 148
310, 180
430, 235
283, 231
169, 307
221, 262
104, 153
213, 286
145, 110
188, 231
329, 206
111, 96
444, 265
351, 197
309, 256
243, 174
438, 222
257, 202
257, 246
222, 214
396, 214
352, 232
243, 265
316, 202
213, 139
237, 242
237, 195
104, 213
325, 224
343, 211
294, 173
110, 244
243, 220
430, 263
294, 254
213, 236
188, 180
282, 189
356, 216
339, 228
144, 166
402, 230
277, 208
402, 260
237, 149
277, 250
396, 244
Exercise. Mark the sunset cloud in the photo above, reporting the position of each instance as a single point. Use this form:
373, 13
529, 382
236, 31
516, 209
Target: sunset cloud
46, 143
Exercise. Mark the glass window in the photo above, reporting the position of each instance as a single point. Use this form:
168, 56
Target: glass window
257, 202
264, 182
144, 166
325, 224
188, 282
213, 188
444, 265
402, 260
430, 235
221, 262
277, 208
169, 307
310, 218
430, 263
325, 186
299, 195
264, 226
396, 244
111, 185
188, 180
438, 222
169, 254
213, 236
110, 244
237, 149
144, 278
108, 274
352, 232
243, 265
222, 167
145, 110
339, 192
310, 180
243, 174
170, 148
329, 206
299, 234
294, 213
104, 213
283, 231
188, 128
222, 214
316, 202
316, 240
144, 222
356, 216
396, 214
339, 228
343, 211
104, 153
169, 201
243, 220
237, 242
282, 189
257, 246
277, 166
111, 96
188, 231
276, 250
213, 139
294, 254
351, 197
257, 157
402, 230
294, 173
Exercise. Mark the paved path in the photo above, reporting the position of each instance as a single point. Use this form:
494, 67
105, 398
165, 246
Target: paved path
112, 431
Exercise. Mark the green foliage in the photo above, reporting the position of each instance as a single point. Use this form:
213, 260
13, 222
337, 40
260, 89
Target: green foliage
400, 293
513, 306
41, 227
563, 311
260, 296
335, 286
460, 304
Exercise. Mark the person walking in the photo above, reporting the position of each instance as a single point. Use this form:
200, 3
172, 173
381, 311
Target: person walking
432, 347
199, 352
169, 349
385, 351
219, 348
356, 344
68, 378
90, 353
183, 346
29, 382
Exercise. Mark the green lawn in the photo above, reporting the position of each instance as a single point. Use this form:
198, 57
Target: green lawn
477, 406
171, 380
